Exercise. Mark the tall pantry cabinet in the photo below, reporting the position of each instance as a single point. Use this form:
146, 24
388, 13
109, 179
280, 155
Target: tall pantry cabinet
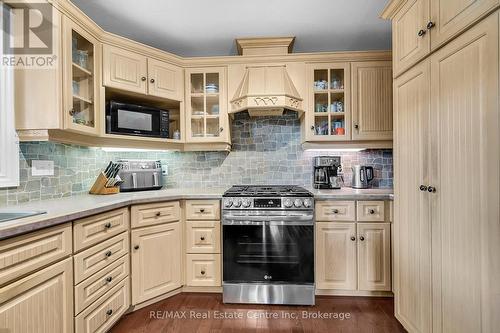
447, 186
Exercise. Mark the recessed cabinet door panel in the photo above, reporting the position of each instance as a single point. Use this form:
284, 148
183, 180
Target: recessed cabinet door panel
124, 70
165, 80
372, 100
409, 46
453, 16
336, 256
465, 212
156, 261
412, 224
374, 256
41, 302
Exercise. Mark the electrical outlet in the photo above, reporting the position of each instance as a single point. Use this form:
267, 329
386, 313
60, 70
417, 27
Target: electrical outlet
42, 168
164, 170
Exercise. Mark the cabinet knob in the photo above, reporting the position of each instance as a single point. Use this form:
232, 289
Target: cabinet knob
136, 247
158, 214
221, 129
430, 25
312, 128
108, 254
202, 238
431, 189
143, 78
109, 312
361, 238
421, 32
107, 225
109, 279
152, 80
202, 272
423, 188
353, 238
335, 211
202, 210
72, 112
371, 211
356, 126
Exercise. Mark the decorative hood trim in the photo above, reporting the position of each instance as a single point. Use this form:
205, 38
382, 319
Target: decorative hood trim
266, 90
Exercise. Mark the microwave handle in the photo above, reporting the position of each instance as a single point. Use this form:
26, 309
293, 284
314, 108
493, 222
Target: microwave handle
155, 179
134, 180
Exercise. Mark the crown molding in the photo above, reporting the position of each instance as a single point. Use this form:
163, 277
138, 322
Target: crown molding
391, 9
266, 45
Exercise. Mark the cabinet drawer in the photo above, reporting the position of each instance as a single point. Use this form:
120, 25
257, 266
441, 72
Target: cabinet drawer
335, 211
156, 213
100, 316
22, 255
95, 229
96, 258
203, 270
371, 211
97, 285
203, 237
203, 210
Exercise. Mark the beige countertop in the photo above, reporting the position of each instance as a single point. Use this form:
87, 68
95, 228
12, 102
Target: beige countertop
68, 209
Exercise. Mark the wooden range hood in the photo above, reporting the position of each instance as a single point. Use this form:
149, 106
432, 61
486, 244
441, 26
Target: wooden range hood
266, 90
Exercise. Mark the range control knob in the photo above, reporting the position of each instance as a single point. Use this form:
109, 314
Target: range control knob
237, 203
246, 203
297, 203
307, 203
228, 203
288, 203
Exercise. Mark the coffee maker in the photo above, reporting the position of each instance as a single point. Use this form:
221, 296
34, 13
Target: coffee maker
326, 172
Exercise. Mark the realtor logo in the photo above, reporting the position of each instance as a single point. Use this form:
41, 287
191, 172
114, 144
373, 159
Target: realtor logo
27, 27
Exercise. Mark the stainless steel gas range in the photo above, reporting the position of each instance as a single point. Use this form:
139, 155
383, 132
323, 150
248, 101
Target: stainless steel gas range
268, 245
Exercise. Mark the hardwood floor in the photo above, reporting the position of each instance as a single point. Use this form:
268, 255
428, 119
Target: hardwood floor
176, 314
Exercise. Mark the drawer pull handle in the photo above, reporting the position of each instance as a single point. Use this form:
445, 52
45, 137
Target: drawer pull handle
202, 210
353, 238
335, 211
136, 247
108, 254
202, 238
107, 225
372, 211
109, 312
109, 279
158, 214
361, 238
202, 272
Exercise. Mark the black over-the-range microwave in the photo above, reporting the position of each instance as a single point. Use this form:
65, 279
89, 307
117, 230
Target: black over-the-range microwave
131, 119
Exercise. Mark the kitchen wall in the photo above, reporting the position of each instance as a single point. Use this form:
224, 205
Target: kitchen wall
266, 150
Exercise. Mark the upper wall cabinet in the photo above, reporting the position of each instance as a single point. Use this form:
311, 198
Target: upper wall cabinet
420, 26
81, 79
372, 100
206, 105
134, 72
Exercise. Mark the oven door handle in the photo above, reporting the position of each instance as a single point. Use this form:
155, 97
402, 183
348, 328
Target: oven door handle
267, 222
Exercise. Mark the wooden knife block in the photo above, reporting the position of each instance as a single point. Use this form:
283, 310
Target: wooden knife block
100, 188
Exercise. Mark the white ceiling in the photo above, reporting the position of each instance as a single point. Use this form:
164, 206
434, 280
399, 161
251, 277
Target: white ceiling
206, 28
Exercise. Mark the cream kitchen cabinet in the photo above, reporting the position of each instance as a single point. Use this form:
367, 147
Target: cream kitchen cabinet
41, 302
371, 100
206, 105
447, 279
336, 255
422, 26
412, 227
133, 72
156, 261
374, 256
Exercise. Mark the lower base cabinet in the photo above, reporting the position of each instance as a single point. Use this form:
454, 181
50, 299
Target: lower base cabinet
155, 261
353, 256
41, 302
203, 270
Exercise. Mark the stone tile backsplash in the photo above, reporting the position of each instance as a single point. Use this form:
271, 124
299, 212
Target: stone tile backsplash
266, 150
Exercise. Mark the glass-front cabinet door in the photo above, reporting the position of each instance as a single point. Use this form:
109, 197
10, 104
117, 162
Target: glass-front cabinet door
329, 111
81, 78
206, 105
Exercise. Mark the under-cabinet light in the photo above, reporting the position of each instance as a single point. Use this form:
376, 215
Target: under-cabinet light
336, 149
134, 150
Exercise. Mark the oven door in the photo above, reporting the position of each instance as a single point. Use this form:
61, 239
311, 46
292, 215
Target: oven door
268, 251
134, 120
